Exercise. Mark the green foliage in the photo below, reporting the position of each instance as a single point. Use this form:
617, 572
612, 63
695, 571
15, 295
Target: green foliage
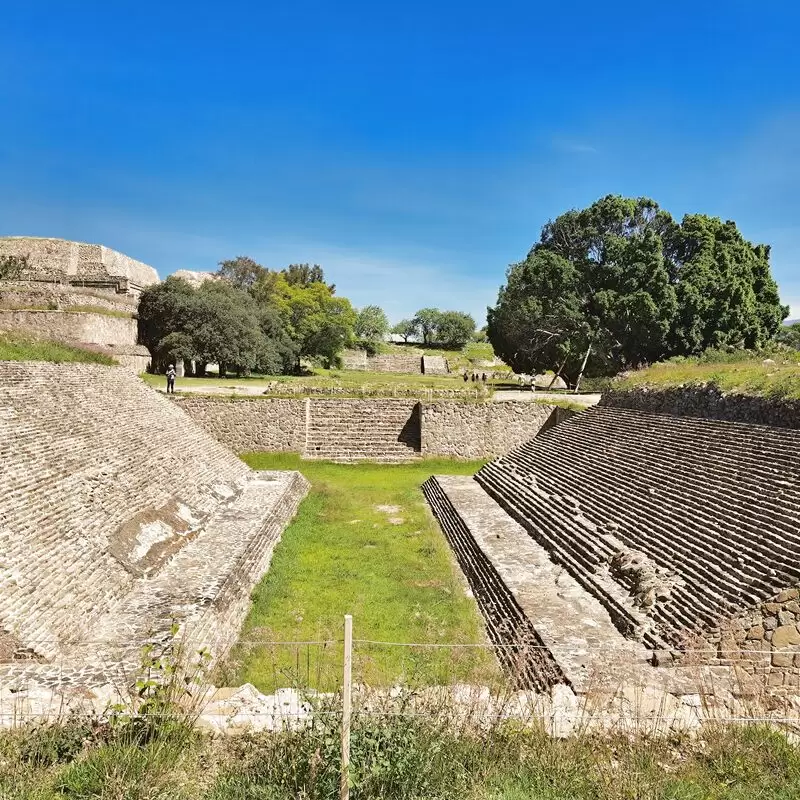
445, 328
789, 335
407, 757
427, 323
771, 372
11, 267
20, 348
253, 319
622, 281
407, 328
371, 327
455, 329
241, 272
341, 554
320, 323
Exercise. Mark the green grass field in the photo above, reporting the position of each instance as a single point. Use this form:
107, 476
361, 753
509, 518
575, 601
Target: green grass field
351, 379
20, 348
363, 543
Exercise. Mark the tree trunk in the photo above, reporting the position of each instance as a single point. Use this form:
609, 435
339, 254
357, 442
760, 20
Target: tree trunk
558, 371
583, 367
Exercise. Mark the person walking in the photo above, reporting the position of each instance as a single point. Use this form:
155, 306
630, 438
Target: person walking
171, 379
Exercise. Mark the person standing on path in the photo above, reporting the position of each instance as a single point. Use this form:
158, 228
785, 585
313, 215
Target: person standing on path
171, 379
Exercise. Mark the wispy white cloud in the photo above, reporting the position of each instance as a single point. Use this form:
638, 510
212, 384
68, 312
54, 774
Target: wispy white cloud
565, 144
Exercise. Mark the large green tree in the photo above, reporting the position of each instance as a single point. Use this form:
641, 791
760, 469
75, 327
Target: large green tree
371, 327
242, 271
320, 323
455, 329
407, 328
427, 323
620, 284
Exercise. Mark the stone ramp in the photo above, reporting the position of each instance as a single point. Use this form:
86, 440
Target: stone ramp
526, 592
119, 514
695, 519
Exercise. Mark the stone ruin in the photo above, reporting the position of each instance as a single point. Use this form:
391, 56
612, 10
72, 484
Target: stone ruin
638, 546
119, 519
62, 275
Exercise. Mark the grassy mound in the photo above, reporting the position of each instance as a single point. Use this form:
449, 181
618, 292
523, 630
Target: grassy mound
20, 348
774, 374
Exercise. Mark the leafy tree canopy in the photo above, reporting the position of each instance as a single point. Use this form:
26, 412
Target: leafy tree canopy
427, 323
455, 329
372, 324
626, 284
242, 271
407, 328
789, 335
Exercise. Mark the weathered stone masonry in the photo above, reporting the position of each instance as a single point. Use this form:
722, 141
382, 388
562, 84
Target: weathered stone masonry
79, 263
683, 527
381, 429
119, 516
75, 326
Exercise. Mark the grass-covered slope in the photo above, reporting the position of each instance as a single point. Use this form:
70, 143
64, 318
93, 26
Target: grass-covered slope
770, 374
20, 348
363, 543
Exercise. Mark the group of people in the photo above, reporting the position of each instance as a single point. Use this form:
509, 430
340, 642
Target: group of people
474, 377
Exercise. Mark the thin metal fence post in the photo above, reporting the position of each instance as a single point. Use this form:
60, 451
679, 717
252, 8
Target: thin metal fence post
347, 701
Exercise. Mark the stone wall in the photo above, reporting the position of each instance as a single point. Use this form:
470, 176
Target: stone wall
72, 326
247, 425
354, 360
482, 430
435, 365
707, 402
396, 363
448, 428
763, 644
61, 295
58, 260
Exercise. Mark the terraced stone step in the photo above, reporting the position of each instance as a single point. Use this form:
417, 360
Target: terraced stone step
523, 594
714, 504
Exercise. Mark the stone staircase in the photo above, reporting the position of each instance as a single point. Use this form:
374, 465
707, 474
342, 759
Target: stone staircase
694, 519
402, 364
387, 431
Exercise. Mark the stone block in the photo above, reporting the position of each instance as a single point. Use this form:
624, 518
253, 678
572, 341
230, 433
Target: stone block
782, 659
786, 618
786, 595
755, 633
786, 636
770, 623
775, 679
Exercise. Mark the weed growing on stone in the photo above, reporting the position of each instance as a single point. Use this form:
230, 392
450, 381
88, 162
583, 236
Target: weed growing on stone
20, 348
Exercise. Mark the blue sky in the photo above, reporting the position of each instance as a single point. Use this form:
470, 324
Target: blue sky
413, 149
